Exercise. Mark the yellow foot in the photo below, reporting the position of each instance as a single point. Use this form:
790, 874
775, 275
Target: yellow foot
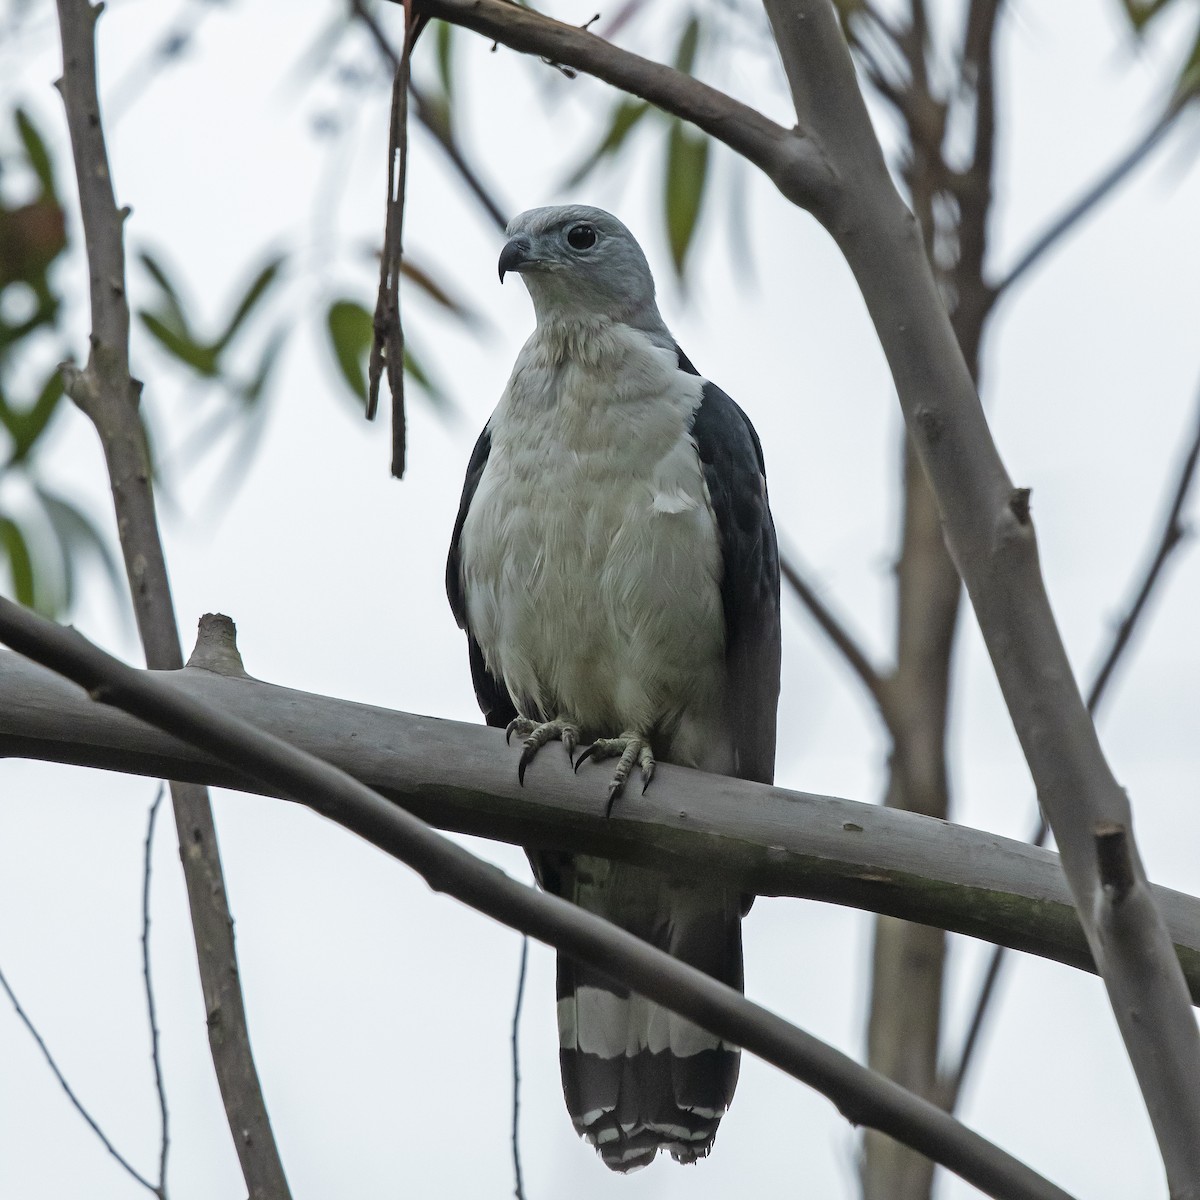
537, 734
632, 748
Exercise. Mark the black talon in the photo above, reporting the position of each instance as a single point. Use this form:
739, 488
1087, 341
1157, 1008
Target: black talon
588, 753
509, 731
526, 758
647, 775
614, 790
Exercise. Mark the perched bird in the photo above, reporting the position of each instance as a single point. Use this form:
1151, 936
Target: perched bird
615, 568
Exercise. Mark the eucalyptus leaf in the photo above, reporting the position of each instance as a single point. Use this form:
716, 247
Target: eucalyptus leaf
35, 151
434, 392
20, 561
685, 53
438, 293
170, 296
625, 118
443, 36
351, 332
254, 293
686, 175
78, 536
27, 427
202, 359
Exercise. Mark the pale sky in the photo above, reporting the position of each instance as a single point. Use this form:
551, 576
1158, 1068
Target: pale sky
379, 1012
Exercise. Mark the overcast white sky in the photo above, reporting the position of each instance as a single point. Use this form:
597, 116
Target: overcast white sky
379, 1011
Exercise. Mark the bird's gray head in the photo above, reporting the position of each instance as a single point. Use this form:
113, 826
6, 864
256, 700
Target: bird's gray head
581, 264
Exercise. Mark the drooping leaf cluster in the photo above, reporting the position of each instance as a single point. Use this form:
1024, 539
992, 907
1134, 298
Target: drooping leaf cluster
44, 536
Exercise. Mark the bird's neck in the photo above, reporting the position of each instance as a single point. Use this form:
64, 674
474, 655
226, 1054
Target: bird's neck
593, 339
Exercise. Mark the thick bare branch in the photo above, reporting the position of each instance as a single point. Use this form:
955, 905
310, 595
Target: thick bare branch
904, 1030
1170, 537
990, 535
764, 840
864, 1097
788, 157
109, 396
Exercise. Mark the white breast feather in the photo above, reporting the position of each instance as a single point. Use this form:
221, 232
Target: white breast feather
590, 559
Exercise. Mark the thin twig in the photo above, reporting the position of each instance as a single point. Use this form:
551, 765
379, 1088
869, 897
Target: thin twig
1170, 537
387, 349
519, 1188
844, 642
1173, 533
432, 117
151, 1010
865, 1097
360, 11
1111, 178
66, 1087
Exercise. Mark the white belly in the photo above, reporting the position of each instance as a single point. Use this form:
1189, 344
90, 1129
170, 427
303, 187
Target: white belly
590, 559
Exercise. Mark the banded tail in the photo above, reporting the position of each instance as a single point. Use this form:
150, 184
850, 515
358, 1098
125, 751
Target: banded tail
638, 1078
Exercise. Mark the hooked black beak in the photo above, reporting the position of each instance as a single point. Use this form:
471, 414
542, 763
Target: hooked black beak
514, 255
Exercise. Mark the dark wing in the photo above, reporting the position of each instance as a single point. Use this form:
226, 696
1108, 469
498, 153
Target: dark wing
493, 697
732, 459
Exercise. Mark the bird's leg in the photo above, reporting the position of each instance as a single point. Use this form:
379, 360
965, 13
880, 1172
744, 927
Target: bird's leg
538, 733
632, 748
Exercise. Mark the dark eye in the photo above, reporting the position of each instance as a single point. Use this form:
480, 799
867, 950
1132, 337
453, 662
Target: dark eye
581, 237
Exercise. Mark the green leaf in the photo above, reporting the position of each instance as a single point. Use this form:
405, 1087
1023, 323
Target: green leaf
35, 151
625, 117
686, 174
256, 291
434, 393
685, 54
1142, 12
443, 42
79, 536
351, 332
170, 297
1188, 85
437, 293
26, 427
252, 391
20, 561
202, 359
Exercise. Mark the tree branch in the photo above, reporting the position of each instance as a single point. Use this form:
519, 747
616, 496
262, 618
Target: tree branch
788, 157
1171, 536
132, 1171
862, 1096
843, 641
435, 118
904, 1030
109, 396
991, 537
151, 1008
522, 970
763, 840
1111, 179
